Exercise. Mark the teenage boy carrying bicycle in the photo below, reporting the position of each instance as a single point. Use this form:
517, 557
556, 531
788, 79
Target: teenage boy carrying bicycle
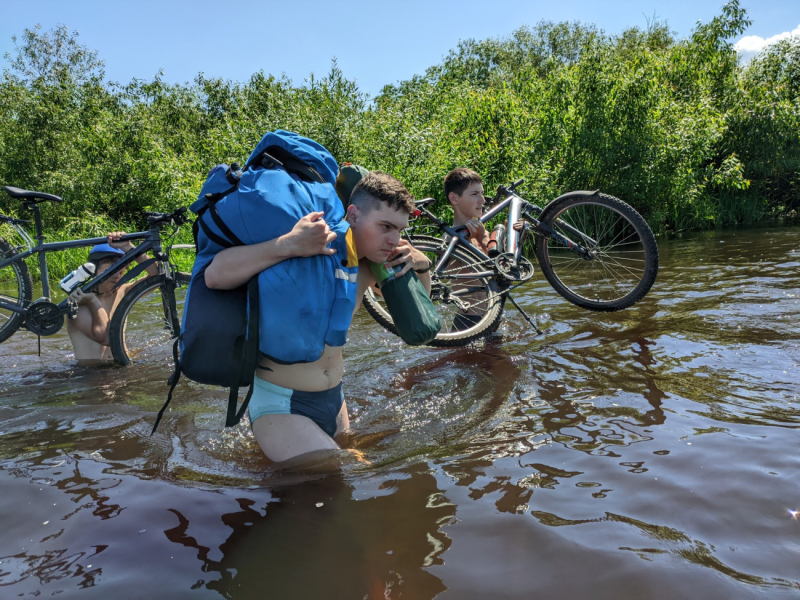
464, 190
88, 331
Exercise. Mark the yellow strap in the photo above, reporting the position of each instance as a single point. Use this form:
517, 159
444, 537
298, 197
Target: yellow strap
352, 255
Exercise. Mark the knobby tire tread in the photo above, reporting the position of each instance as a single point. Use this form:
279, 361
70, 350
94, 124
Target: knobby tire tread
23, 279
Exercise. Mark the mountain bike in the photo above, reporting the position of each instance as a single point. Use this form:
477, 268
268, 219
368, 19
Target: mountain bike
135, 326
595, 250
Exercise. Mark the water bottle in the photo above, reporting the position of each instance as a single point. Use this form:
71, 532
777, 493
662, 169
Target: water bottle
497, 240
78, 276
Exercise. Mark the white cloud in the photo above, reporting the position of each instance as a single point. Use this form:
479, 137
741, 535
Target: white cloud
751, 45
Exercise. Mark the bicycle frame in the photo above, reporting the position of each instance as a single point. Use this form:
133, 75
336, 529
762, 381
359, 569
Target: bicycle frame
518, 208
152, 242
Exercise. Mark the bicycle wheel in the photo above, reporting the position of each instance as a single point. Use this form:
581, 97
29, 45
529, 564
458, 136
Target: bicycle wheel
469, 305
624, 256
16, 287
145, 323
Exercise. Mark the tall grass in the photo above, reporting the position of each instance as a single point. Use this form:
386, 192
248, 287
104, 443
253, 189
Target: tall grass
675, 127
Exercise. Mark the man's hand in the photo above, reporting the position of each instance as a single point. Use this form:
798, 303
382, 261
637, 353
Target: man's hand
81, 298
114, 241
476, 229
406, 253
310, 236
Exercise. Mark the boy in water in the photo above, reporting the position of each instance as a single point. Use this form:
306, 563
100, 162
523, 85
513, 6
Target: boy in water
299, 408
463, 188
88, 331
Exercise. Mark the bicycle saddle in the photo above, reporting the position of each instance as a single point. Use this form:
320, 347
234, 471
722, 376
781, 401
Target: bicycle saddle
30, 196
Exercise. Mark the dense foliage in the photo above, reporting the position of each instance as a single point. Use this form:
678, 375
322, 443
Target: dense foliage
675, 127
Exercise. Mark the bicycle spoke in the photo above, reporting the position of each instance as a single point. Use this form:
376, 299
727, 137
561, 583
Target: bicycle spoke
618, 262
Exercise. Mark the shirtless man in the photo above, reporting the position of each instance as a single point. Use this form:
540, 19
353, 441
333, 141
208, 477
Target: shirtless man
88, 331
299, 408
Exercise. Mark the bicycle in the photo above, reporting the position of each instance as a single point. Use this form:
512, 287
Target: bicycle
134, 325
595, 250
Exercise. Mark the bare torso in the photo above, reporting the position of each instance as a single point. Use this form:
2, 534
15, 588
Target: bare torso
87, 350
318, 376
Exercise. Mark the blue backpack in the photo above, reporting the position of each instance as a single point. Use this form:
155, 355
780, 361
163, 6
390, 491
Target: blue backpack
288, 312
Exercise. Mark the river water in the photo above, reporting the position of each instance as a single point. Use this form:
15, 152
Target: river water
648, 453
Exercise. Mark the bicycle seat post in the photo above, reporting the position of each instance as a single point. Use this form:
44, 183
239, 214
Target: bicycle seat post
37, 219
39, 237
514, 211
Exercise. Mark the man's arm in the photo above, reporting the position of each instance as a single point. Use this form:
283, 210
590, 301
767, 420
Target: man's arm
126, 246
97, 328
235, 266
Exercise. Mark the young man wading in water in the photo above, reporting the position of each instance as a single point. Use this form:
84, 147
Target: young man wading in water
463, 188
88, 331
299, 408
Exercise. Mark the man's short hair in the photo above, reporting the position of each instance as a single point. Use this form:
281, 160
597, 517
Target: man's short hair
377, 188
459, 180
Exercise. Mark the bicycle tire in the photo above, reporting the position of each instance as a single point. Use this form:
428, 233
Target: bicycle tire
14, 275
488, 301
625, 260
141, 328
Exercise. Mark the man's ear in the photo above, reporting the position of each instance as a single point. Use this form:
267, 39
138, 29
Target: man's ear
353, 212
453, 198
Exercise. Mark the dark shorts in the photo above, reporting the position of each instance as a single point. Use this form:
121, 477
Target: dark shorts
321, 407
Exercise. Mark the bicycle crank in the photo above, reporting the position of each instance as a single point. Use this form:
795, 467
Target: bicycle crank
44, 318
512, 269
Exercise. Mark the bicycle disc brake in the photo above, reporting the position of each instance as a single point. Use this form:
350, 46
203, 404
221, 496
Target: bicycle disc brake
513, 270
44, 318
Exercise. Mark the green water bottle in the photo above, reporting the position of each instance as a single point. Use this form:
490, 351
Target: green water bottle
383, 273
414, 315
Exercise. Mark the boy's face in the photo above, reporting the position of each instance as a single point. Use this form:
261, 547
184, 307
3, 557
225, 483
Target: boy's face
470, 203
109, 284
376, 232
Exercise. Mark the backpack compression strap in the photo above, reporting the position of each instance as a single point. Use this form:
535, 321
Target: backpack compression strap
173, 381
246, 353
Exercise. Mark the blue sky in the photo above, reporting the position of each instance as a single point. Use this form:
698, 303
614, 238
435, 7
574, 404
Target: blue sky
376, 42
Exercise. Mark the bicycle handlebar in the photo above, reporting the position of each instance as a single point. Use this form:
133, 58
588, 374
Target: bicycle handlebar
177, 217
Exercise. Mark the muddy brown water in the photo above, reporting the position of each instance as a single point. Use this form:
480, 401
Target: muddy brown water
651, 453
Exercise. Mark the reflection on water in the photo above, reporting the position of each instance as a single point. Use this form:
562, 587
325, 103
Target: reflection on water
647, 453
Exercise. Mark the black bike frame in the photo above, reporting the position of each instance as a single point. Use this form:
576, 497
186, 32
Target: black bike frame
152, 242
